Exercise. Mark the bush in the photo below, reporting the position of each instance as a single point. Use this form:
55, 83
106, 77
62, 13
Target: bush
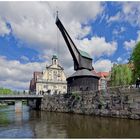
75, 96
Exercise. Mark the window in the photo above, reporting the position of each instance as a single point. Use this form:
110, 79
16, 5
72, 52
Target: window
46, 86
55, 75
55, 62
50, 74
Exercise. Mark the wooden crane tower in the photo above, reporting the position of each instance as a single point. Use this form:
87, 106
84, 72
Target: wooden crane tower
84, 79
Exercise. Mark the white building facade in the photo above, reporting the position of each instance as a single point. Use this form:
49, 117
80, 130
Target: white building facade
52, 80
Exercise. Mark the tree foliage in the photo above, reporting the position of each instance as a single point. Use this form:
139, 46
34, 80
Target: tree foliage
5, 91
121, 75
135, 58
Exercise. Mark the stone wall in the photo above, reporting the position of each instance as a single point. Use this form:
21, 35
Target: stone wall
121, 103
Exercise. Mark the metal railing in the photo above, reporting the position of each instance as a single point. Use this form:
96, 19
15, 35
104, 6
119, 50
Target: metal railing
20, 95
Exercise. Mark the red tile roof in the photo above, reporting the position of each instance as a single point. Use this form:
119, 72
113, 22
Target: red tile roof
34, 79
95, 73
37, 74
103, 74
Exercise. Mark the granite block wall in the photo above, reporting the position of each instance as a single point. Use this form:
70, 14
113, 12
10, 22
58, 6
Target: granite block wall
121, 103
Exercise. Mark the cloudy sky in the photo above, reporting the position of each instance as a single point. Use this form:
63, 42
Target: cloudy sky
108, 31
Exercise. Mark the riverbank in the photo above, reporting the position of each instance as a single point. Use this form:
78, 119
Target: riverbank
113, 103
2, 105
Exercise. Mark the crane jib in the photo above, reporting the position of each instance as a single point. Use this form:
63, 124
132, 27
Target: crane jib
81, 59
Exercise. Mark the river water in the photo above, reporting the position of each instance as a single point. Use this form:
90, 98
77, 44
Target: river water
40, 124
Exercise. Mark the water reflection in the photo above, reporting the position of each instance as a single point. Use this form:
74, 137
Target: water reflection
46, 125
61, 125
3, 119
39, 124
17, 126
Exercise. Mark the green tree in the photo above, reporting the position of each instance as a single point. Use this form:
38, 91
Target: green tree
5, 91
135, 58
121, 75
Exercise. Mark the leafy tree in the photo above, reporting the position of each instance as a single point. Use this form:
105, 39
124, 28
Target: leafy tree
135, 58
121, 75
5, 91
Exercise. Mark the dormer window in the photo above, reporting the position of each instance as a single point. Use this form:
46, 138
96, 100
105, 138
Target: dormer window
54, 60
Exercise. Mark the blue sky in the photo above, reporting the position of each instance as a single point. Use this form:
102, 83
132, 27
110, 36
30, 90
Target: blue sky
108, 31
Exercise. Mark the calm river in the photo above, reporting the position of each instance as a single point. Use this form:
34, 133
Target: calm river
39, 124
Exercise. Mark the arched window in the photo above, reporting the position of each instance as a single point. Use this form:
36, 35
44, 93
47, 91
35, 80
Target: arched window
55, 62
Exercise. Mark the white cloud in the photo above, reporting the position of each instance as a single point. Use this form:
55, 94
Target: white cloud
125, 61
15, 85
130, 12
69, 71
114, 18
129, 45
34, 23
82, 11
15, 75
24, 58
97, 46
117, 31
78, 31
3, 28
103, 65
138, 37
119, 59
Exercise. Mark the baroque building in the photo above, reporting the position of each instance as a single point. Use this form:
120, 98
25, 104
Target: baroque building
51, 81
104, 80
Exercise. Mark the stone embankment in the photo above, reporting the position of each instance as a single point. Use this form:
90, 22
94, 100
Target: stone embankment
121, 103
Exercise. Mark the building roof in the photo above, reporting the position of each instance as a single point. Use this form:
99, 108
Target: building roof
131, 66
103, 74
59, 67
37, 74
54, 57
84, 54
83, 72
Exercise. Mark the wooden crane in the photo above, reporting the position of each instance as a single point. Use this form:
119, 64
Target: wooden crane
84, 79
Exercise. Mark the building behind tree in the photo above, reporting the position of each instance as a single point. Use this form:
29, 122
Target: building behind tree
104, 80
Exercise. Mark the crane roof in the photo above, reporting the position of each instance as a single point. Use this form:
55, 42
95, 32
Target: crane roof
84, 72
84, 54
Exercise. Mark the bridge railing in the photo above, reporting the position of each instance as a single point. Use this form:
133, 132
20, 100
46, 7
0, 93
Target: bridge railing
15, 93
19, 95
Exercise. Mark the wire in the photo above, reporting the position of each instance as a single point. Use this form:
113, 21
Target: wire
51, 9
58, 43
54, 13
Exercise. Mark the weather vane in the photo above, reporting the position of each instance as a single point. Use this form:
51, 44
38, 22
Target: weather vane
57, 14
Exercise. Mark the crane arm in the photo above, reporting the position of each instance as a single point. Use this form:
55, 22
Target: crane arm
81, 59
71, 46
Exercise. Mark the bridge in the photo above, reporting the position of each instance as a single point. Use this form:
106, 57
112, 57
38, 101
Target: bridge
20, 96
34, 101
